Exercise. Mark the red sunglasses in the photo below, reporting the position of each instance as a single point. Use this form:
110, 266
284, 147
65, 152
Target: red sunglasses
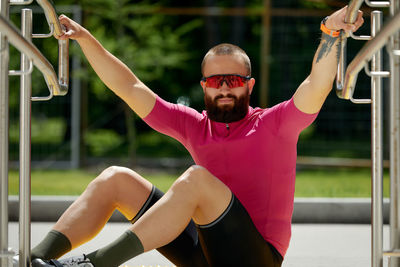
231, 80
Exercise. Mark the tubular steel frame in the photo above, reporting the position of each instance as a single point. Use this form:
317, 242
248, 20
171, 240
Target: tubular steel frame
388, 36
30, 55
346, 79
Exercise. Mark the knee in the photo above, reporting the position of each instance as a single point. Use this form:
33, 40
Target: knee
110, 179
201, 187
194, 178
198, 173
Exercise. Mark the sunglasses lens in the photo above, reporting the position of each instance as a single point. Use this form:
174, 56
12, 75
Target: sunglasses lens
214, 81
231, 81
234, 81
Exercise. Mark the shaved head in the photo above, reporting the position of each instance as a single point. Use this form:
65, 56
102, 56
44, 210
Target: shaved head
228, 49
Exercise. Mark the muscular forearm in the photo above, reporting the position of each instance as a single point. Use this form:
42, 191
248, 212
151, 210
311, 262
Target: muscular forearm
311, 94
113, 72
325, 62
117, 76
110, 69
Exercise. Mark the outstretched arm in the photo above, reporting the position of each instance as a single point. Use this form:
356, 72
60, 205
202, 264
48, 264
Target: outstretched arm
113, 72
311, 94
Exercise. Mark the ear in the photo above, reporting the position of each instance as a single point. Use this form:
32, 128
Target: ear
203, 85
251, 83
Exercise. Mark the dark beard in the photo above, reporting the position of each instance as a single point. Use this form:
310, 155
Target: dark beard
227, 114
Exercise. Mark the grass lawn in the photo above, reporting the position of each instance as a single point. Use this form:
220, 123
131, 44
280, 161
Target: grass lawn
337, 183
73, 182
310, 183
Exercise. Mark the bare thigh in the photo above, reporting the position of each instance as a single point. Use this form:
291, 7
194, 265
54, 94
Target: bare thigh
115, 188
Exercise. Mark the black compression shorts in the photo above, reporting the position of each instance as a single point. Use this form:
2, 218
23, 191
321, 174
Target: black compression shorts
231, 240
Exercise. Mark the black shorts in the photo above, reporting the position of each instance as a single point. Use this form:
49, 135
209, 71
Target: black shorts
231, 240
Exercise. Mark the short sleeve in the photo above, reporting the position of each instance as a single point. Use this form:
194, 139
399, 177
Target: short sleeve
287, 119
172, 119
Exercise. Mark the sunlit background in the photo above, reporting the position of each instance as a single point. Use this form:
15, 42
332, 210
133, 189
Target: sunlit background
163, 42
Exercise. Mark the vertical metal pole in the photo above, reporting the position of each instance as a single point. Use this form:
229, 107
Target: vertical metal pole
25, 149
376, 150
4, 120
394, 143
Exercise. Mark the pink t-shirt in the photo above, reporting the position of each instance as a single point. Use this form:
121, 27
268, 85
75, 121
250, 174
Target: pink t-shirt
255, 157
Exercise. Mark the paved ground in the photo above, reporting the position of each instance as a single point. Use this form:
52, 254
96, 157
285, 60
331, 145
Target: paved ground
313, 245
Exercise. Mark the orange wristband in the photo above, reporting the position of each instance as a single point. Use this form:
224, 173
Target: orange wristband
324, 29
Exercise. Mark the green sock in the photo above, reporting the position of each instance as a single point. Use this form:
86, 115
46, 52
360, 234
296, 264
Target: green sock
124, 248
53, 246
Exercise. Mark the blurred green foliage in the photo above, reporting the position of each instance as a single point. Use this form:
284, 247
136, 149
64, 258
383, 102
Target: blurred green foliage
165, 52
102, 142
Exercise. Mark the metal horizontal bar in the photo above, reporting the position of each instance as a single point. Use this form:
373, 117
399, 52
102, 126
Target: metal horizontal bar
42, 98
46, 35
366, 53
361, 37
360, 101
392, 253
20, 2
21, 72
377, 3
384, 74
396, 52
29, 49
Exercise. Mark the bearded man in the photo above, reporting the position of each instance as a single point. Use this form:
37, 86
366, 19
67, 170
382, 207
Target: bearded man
234, 207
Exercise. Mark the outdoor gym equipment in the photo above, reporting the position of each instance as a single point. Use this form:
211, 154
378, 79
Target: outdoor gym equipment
30, 56
388, 36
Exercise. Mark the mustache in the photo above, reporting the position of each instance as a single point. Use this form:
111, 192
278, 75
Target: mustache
225, 96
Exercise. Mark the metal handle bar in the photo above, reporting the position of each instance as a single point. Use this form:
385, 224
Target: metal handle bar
21, 72
63, 45
384, 74
20, 2
51, 16
396, 53
377, 3
45, 35
392, 253
29, 49
352, 11
366, 53
351, 17
361, 37
391, 51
